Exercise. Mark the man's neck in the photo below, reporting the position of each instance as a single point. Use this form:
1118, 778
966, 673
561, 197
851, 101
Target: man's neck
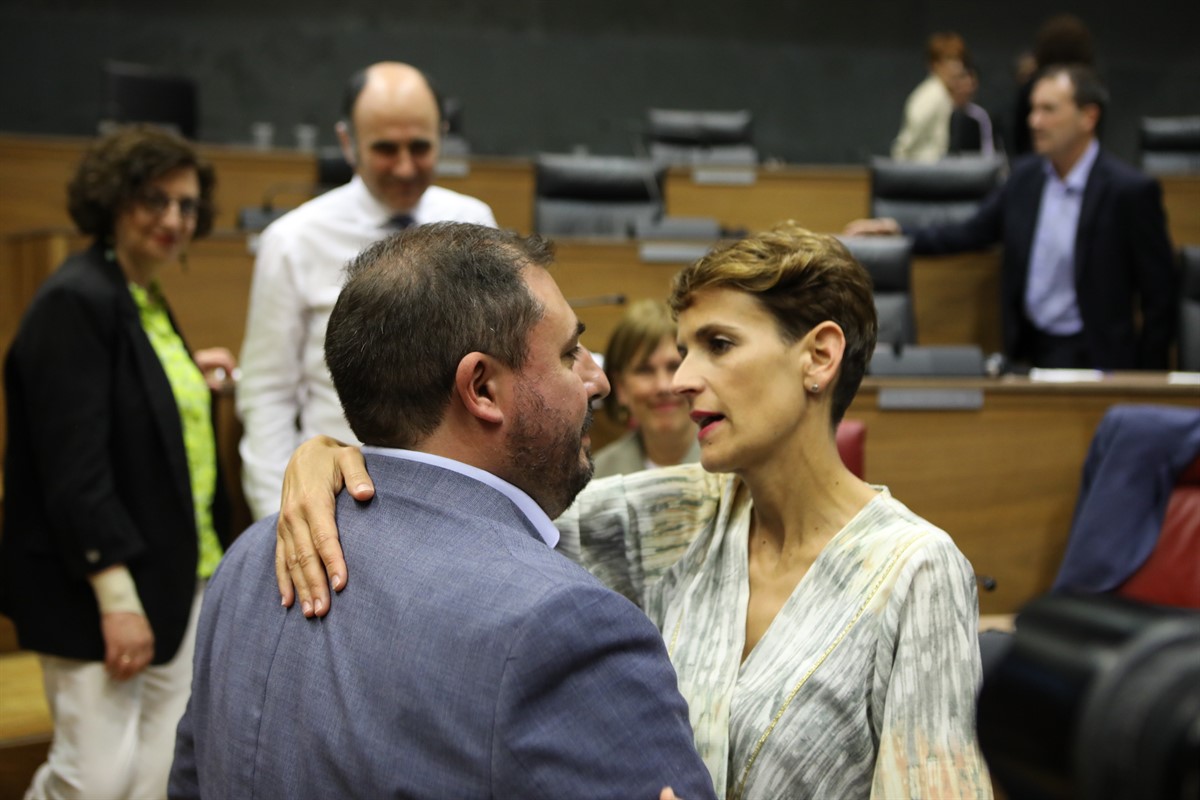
1065, 163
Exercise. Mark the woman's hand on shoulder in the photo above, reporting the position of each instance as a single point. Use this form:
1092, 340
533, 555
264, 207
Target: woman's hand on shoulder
308, 556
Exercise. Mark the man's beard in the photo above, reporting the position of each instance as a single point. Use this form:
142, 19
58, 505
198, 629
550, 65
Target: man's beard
544, 454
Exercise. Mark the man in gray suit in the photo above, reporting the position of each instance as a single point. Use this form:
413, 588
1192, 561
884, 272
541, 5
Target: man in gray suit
467, 659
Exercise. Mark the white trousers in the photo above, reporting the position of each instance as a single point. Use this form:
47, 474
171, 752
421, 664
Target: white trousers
113, 739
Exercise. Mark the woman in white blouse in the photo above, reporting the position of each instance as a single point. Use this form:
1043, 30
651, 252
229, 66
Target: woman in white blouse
824, 635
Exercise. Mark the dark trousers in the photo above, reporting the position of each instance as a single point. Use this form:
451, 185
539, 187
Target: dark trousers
1050, 351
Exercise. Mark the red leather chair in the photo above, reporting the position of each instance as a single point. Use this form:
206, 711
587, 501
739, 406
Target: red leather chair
851, 445
1171, 576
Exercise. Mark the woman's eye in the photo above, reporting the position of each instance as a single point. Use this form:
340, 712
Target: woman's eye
719, 345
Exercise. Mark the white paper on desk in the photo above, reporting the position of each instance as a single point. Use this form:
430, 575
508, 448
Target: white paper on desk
1065, 375
1183, 378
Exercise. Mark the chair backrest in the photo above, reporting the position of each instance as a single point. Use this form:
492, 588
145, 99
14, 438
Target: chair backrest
1136, 527
585, 195
137, 93
676, 136
1171, 575
918, 194
1189, 308
888, 259
852, 446
1170, 144
930, 361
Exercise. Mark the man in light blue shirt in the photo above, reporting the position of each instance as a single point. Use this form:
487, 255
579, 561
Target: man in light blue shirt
1088, 277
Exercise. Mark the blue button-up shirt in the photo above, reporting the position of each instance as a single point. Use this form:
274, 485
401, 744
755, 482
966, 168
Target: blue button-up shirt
1050, 301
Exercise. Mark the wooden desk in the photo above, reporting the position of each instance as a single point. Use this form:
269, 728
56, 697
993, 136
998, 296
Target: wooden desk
1181, 199
1001, 480
954, 296
820, 198
34, 171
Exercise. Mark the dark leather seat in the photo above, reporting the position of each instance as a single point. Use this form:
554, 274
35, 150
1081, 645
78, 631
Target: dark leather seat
586, 195
888, 259
1136, 529
676, 136
1170, 145
920, 194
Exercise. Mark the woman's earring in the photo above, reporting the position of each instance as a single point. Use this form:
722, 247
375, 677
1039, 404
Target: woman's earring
816, 388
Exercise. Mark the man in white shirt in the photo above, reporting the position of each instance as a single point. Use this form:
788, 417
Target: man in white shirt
390, 134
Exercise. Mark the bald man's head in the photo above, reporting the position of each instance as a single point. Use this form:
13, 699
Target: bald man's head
392, 132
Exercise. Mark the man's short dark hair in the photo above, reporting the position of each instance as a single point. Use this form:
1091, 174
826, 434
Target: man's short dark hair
412, 307
1089, 90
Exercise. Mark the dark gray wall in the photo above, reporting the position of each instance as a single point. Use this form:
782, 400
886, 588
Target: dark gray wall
826, 81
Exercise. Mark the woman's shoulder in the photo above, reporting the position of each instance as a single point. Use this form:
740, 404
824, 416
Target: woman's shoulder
890, 525
84, 279
86, 272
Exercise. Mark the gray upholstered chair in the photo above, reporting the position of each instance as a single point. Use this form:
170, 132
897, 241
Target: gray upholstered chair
1189, 308
1170, 144
920, 194
676, 136
586, 195
888, 259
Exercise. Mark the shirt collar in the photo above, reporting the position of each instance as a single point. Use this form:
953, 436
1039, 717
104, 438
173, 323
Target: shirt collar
1077, 178
372, 209
532, 511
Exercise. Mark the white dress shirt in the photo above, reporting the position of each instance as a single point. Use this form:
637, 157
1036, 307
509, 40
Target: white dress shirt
285, 394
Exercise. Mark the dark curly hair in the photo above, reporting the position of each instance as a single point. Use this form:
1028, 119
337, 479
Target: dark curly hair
117, 168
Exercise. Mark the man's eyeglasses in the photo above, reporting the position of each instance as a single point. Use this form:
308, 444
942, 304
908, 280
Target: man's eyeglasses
157, 203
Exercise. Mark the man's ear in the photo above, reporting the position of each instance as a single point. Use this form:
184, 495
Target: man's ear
482, 384
346, 140
1091, 113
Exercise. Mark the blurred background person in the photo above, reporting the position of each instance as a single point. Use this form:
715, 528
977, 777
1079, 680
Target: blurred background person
1062, 39
1088, 277
640, 361
925, 132
390, 132
971, 130
114, 508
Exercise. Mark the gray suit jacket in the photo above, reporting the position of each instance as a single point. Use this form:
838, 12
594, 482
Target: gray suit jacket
463, 659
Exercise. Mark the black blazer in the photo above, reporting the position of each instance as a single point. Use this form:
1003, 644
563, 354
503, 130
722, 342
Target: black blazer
95, 473
1122, 252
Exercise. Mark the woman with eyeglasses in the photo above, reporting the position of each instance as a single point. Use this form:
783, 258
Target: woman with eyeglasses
114, 512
